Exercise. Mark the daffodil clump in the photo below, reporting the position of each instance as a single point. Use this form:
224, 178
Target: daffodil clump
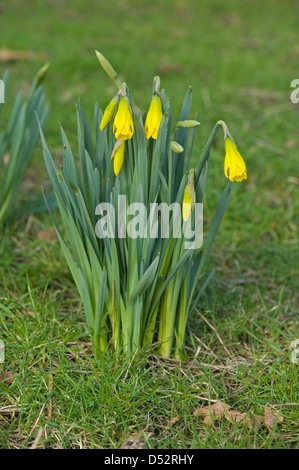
138, 286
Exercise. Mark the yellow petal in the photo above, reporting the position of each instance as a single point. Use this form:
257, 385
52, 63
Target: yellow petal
123, 126
109, 113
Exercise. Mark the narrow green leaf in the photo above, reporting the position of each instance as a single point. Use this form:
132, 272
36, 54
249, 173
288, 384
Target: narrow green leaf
146, 280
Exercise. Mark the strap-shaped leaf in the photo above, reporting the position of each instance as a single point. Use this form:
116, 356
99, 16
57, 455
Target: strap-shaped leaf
100, 303
86, 301
146, 280
167, 280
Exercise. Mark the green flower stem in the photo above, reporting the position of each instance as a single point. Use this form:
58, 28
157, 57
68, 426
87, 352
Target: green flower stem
206, 151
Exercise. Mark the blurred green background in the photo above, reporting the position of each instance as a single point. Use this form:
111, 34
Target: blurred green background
239, 57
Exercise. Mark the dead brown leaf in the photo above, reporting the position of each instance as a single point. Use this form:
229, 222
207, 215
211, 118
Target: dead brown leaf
290, 143
174, 420
261, 94
220, 409
30, 313
169, 68
49, 234
134, 442
8, 377
10, 55
271, 417
244, 418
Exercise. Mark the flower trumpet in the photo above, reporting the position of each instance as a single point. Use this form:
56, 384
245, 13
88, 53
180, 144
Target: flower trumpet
119, 159
153, 118
234, 165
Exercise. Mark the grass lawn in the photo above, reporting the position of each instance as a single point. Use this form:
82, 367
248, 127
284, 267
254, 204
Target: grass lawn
240, 58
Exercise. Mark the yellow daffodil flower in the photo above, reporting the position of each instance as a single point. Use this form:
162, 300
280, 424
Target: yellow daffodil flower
153, 118
109, 112
119, 159
234, 165
123, 126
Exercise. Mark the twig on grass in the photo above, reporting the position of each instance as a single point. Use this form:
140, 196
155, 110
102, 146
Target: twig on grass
216, 332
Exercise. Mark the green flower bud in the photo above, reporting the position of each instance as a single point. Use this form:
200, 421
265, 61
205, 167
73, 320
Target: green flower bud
42, 73
189, 123
176, 147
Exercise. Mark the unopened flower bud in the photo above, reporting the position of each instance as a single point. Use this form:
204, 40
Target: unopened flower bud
109, 112
234, 165
123, 126
153, 118
189, 196
176, 147
106, 65
189, 123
